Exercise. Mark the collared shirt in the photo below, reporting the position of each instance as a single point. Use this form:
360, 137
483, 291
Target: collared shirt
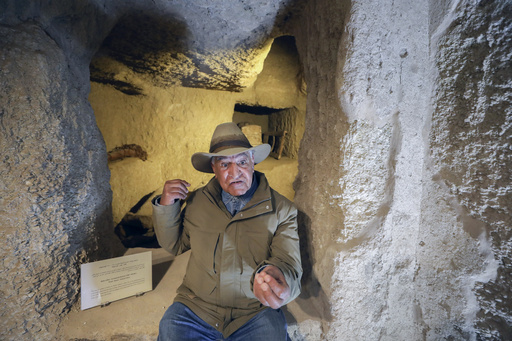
235, 203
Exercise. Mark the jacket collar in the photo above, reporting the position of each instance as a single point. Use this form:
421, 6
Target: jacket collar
262, 193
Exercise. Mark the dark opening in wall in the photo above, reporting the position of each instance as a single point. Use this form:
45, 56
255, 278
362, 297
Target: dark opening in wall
277, 127
277, 99
255, 110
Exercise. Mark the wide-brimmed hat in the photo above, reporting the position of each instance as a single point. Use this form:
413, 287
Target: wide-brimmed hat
228, 140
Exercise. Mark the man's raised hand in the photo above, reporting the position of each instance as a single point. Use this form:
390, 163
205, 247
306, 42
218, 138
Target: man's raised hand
174, 189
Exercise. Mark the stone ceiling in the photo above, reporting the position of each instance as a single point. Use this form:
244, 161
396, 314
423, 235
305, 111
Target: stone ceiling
213, 45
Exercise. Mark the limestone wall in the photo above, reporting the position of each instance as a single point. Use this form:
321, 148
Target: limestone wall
470, 141
404, 168
405, 196
54, 192
172, 123
169, 124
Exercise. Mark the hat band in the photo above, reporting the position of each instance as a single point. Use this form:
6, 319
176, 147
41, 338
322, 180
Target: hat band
231, 143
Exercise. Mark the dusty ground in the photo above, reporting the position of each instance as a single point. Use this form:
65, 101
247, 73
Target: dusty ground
137, 318
133, 318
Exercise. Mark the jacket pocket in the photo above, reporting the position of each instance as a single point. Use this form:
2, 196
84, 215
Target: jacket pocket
204, 245
254, 248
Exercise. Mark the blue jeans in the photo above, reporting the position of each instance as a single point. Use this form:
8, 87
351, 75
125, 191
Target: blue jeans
179, 323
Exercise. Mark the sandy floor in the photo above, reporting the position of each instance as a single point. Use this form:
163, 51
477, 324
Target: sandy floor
137, 318
132, 318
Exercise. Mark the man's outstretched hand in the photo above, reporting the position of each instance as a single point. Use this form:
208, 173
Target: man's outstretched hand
270, 287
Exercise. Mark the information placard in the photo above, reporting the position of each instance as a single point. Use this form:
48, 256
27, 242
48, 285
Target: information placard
113, 279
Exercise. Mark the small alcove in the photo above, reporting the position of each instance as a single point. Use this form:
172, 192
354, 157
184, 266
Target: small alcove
169, 124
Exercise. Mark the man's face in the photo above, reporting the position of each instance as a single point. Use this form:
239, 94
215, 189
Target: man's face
234, 173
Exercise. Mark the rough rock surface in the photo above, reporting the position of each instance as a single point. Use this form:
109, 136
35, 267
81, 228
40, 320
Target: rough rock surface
55, 193
471, 144
414, 100
404, 183
55, 198
194, 44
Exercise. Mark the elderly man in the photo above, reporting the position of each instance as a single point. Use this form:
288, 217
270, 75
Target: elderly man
245, 259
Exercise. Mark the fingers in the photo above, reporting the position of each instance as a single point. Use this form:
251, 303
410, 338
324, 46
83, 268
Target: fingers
275, 279
174, 189
271, 288
279, 288
260, 294
266, 296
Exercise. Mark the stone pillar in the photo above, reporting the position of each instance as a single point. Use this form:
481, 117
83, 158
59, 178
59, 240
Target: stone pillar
404, 170
471, 161
54, 183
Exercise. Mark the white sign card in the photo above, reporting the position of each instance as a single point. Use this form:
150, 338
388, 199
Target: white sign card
116, 278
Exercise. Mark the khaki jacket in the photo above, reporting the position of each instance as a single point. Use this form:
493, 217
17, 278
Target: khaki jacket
226, 250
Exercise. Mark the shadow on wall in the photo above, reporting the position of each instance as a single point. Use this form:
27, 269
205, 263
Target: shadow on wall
136, 229
312, 299
143, 41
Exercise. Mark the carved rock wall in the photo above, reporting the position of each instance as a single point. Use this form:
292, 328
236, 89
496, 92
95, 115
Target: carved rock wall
471, 150
170, 124
405, 194
195, 44
55, 191
404, 174
55, 198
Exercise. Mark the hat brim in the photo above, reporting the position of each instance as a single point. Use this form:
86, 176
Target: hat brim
202, 161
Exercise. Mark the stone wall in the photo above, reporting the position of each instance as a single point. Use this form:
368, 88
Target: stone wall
404, 168
405, 196
54, 196
471, 153
169, 124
